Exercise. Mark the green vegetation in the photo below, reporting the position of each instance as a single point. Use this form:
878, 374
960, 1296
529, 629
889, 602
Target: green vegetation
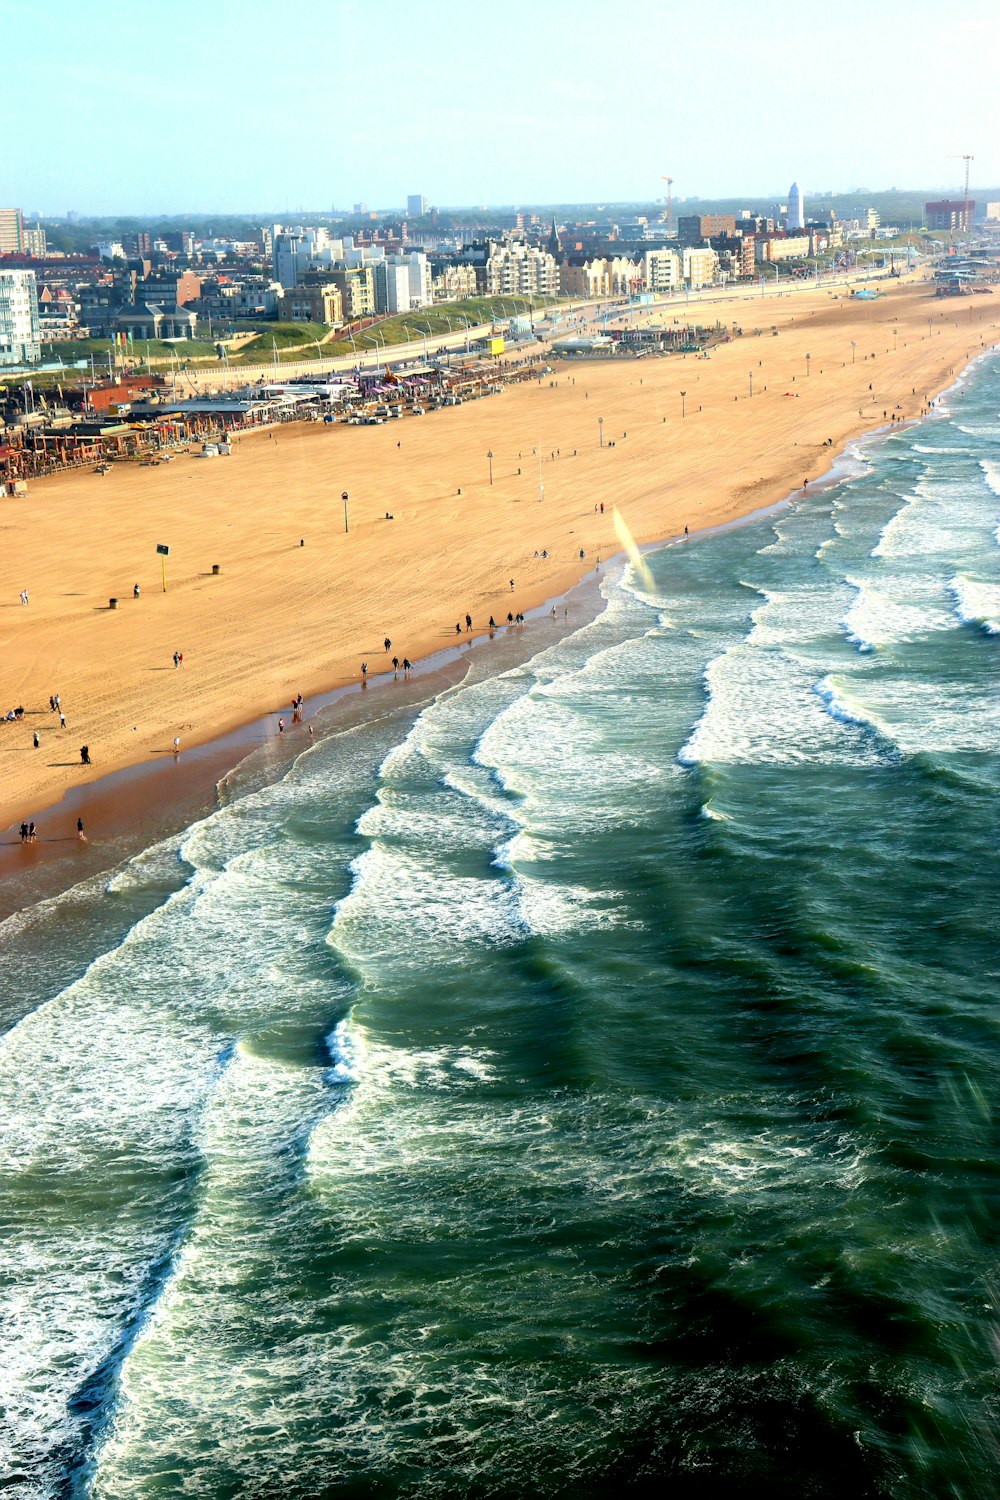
297, 341
69, 350
286, 336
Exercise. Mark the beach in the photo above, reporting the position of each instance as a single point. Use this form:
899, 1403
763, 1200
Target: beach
571, 1066
298, 605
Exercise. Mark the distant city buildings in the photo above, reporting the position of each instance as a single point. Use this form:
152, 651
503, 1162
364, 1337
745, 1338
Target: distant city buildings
19, 331
416, 205
796, 216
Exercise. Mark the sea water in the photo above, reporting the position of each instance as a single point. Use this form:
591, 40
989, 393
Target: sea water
580, 1082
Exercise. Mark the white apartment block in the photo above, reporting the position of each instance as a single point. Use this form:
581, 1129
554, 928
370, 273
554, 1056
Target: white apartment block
19, 333
661, 270
521, 270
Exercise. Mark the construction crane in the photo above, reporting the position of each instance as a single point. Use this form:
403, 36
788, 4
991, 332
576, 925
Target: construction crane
967, 157
668, 216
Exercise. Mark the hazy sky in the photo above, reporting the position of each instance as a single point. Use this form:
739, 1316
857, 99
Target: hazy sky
121, 105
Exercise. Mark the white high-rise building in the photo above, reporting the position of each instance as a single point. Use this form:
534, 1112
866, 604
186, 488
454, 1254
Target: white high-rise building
416, 205
421, 291
19, 343
796, 216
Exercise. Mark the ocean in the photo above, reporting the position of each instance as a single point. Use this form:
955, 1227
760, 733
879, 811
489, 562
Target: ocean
578, 1081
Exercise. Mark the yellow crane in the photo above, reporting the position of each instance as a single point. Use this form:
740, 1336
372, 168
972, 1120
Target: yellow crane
668, 217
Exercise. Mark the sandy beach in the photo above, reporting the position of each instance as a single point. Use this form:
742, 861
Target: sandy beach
298, 605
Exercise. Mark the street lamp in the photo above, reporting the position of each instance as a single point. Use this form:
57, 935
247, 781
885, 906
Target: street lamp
490, 457
808, 358
854, 348
683, 394
600, 427
345, 497
751, 385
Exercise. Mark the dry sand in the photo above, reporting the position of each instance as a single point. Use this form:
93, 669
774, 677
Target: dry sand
281, 618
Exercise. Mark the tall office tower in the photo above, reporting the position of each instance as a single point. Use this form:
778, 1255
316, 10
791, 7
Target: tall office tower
416, 205
796, 218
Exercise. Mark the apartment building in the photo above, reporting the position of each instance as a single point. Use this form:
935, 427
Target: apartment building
661, 270
19, 332
356, 285
782, 247
11, 231
700, 265
319, 302
517, 269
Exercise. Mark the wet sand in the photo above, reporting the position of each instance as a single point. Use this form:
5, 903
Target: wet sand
282, 618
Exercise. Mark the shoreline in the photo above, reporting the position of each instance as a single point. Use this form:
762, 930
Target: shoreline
211, 752
136, 806
150, 800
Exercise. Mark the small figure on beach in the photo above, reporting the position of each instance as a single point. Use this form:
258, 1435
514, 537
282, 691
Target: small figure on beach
24, 833
407, 665
387, 644
177, 745
62, 719
281, 727
36, 740
468, 622
395, 666
510, 618
512, 585
31, 833
493, 626
364, 669
79, 831
85, 755
135, 591
177, 660
458, 628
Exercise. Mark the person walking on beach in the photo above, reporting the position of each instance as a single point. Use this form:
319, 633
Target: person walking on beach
177, 745
468, 622
85, 755
36, 740
281, 726
395, 666
407, 665
177, 660
31, 833
79, 831
62, 719
135, 591
388, 645
24, 833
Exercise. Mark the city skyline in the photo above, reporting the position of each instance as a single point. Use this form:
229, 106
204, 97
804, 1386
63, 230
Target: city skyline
472, 123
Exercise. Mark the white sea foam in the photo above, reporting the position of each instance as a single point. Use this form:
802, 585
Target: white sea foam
976, 603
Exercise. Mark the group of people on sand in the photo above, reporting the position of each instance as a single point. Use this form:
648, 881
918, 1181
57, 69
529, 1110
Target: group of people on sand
29, 833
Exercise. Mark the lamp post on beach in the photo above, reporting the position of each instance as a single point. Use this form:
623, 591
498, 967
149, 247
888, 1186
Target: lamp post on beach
808, 358
854, 349
345, 497
490, 457
600, 429
683, 412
